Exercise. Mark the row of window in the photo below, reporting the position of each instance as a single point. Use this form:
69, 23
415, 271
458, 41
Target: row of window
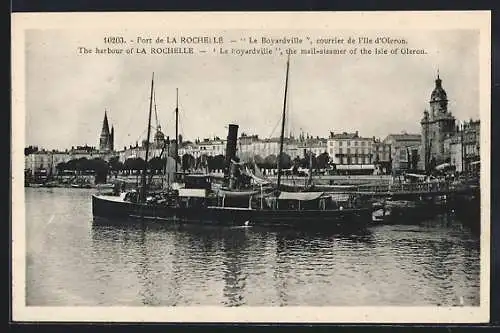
354, 160
348, 143
349, 151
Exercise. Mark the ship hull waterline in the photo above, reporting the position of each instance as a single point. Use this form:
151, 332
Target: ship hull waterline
108, 209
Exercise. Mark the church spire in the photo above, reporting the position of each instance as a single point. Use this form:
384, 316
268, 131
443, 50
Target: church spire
438, 80
105, 140
105, 125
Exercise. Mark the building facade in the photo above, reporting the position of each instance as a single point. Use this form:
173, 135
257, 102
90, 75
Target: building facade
350, 148
381, 157
45, 161
472, 143
351, 152
316, 146
463, 148
404, 151
437, 125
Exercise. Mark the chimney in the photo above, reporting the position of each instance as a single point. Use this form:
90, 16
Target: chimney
232, 138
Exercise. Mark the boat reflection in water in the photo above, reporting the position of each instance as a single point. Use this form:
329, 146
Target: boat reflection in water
204, 265
433, 263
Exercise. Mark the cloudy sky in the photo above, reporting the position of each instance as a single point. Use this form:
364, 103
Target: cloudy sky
67, 93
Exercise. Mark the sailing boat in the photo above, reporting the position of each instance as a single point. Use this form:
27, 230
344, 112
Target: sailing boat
127, 203
180, 204
270, 208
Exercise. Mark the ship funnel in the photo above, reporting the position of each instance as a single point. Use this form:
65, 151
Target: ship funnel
232, 138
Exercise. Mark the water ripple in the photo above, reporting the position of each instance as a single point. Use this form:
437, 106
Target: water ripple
72, 262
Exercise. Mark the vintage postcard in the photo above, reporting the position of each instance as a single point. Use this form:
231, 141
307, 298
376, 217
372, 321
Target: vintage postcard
319, 167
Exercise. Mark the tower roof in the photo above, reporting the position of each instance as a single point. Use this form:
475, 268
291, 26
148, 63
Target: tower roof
438, 94
105, 125
159, 136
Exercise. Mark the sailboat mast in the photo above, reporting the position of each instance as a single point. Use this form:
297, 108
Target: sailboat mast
156, 112
176, 128
143, 190
310, 165
283, 123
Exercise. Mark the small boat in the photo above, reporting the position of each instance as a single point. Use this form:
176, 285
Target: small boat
228, 193
81, 185
51, 184
106, 186
400, 211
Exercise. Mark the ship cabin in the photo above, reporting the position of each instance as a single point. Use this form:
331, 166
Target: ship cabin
192, 197
311, 201
194, 181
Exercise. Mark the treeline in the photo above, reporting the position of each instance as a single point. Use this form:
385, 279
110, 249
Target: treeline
188, 162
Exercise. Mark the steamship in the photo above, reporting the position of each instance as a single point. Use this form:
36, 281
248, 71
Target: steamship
243, 199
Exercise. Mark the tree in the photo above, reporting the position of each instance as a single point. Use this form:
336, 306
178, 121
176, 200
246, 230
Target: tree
323, 160
296, 161
218, 162
201, 161
60, 167
100, 168
210, 163
259, 161
188, 161
271, 162
314, 161
30, 150
134, 164
71, 165
156, 164
304, 162
115, 164
128, 164
139, 163
285, 161
82, 164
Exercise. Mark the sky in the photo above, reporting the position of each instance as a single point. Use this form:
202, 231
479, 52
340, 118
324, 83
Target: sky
67, 93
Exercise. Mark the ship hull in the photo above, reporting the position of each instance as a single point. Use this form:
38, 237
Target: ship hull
109, 209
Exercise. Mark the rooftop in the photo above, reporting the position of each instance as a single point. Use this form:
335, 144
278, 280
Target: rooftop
404, 137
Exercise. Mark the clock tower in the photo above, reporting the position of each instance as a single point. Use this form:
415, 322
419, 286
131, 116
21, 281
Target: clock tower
437, 125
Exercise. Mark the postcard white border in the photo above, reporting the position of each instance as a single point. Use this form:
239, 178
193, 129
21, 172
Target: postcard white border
239, 20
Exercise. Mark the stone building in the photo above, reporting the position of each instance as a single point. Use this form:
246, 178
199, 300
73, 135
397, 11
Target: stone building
351, 153
404, 151
381, 157
437, 125
470, 136
463, 148
46, 161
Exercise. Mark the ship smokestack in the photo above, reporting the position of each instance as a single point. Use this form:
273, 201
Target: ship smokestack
232, 138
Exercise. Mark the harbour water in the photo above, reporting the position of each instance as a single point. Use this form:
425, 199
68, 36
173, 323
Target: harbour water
71, 262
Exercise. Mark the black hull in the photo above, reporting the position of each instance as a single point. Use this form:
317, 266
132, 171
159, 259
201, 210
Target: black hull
105, 210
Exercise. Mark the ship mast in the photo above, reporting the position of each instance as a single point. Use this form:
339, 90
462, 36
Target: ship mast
143, 188
310, 164
283, 124
176, 128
